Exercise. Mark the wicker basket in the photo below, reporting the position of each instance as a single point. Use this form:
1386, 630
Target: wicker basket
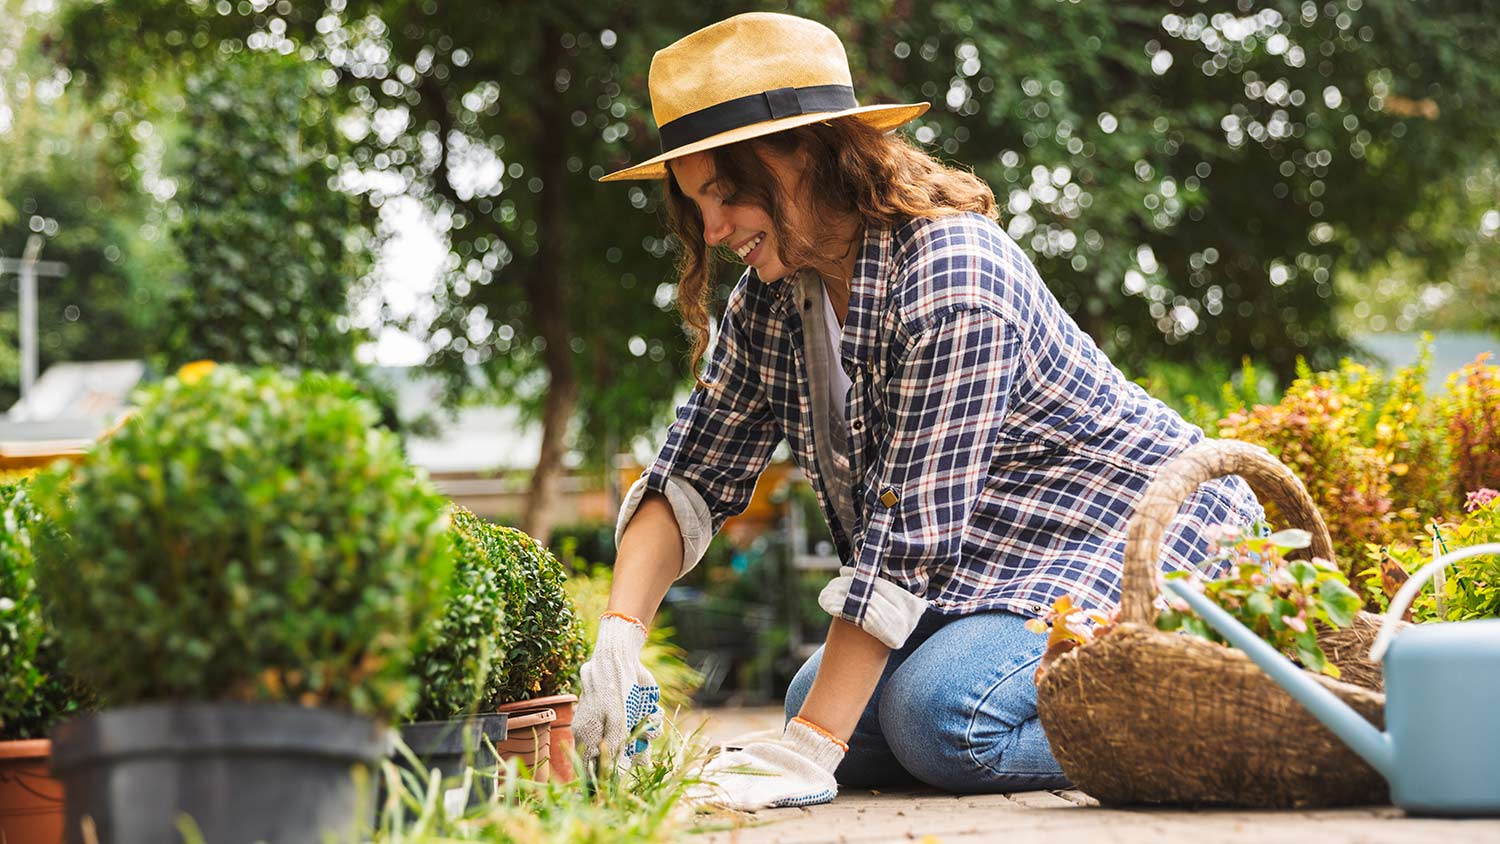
1144, 716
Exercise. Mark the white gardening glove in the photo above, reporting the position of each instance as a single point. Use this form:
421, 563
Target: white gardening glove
796, 770
618, 694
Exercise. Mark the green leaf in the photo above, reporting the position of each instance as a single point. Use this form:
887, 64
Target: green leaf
1339, 601
1305, 573
1259, 604
1290, 539
1308, 653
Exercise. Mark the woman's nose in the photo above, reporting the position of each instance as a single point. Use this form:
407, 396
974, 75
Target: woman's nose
716, 227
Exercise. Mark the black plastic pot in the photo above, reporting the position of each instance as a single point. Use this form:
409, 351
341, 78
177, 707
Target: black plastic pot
452, 745
243, 772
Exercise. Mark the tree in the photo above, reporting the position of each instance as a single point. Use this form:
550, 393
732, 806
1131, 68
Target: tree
1185, 181
498, 117
1192, 175
59, 179
271, 246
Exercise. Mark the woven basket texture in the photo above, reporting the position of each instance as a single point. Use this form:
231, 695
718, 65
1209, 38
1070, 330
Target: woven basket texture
1145, 716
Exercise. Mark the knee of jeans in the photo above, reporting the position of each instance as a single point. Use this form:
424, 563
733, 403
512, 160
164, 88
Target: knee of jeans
801, 685
951, 744
927, 733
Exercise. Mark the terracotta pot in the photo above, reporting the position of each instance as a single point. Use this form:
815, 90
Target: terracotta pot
561, 748
31, 801
528, 737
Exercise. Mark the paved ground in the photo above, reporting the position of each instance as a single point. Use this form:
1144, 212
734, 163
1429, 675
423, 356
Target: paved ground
929, 817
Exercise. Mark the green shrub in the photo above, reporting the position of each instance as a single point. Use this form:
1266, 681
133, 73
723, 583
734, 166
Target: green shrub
1470, 588
1203, 390
542, 644
35, 693
1369, 448
460, 662
247, 536
579, 543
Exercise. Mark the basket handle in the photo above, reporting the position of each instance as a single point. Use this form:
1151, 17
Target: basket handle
1268, 477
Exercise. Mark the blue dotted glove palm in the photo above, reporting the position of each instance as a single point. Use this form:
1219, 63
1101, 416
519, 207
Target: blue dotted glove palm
619, 706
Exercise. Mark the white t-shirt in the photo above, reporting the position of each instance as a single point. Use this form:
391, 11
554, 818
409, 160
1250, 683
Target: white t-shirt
838, 380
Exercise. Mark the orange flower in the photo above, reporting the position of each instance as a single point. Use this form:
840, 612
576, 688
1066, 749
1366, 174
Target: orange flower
192, 373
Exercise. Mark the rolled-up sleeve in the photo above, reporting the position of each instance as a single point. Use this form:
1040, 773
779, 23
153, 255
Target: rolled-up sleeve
947, 400
718, 446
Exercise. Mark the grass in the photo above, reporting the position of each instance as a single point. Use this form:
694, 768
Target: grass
632, 806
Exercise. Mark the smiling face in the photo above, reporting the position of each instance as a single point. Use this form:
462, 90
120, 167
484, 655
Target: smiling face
745, 229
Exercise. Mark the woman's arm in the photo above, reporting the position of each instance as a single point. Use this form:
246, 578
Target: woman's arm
853, 661
648, 560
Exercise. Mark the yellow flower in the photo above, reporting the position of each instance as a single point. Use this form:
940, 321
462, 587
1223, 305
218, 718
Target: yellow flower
192, 373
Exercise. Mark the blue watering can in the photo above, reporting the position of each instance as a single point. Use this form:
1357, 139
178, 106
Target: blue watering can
1441, 749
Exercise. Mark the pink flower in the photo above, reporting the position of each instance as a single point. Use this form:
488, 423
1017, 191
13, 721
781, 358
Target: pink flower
1480, 498
1258, 579
1081, 630
1297, 622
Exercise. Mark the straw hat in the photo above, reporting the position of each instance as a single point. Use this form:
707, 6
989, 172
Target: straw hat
749, 76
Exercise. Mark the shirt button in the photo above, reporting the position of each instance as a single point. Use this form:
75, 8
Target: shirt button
858, 425
806, 304
888, 497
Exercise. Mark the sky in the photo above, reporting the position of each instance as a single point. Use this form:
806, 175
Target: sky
406, 274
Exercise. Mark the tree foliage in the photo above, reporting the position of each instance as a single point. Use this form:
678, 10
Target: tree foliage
271, 248
1187, 176
64, 180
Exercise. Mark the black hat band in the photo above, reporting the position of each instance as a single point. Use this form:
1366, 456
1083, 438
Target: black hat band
755, 108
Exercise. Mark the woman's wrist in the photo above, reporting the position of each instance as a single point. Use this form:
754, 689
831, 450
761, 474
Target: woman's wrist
628, 619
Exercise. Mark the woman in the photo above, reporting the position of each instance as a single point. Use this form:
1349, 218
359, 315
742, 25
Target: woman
975, 454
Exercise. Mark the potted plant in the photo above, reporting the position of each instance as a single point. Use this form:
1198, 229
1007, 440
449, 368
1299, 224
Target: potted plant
459, 661
245, 565
35, 693
543, 644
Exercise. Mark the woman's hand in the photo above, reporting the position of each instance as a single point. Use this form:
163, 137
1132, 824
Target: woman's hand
618, 692
618, 695
796, 770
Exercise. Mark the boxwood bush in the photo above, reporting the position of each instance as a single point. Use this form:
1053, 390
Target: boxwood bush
248, 536
461, 661
542, 647
35, 692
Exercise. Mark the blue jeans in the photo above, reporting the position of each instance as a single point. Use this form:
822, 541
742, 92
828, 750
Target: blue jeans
955, 709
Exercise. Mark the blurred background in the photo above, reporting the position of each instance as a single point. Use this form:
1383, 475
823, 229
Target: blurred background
404, 190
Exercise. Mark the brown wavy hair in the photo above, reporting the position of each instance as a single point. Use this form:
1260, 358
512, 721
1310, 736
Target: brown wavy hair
853, 170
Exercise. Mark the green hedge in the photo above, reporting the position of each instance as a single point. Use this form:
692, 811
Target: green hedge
35, 692
247, 536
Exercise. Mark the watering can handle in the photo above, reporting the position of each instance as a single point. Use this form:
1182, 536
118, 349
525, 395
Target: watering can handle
1413, 585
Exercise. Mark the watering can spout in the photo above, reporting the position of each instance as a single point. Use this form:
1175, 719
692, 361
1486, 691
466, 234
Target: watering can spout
1362, 737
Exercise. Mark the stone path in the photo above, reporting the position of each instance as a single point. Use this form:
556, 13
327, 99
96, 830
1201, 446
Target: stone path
930, 817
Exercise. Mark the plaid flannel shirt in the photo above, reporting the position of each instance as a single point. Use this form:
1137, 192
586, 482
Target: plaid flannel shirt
995, 453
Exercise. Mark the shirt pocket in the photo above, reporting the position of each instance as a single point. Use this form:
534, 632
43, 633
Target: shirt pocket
1013, 452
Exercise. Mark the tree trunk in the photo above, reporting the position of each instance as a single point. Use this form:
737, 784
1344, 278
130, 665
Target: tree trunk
543, 497
548, 301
